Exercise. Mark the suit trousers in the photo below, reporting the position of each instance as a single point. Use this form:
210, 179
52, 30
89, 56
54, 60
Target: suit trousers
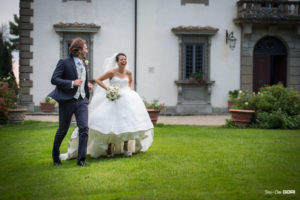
79, 107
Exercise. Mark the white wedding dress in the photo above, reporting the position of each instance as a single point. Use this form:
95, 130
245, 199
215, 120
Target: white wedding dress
125, 119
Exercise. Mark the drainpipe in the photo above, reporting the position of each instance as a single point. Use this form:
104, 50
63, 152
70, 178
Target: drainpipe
135, 42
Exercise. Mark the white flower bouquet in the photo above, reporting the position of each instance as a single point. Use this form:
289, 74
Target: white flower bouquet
113, 93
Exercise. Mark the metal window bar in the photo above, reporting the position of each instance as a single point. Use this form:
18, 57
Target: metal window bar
193, 59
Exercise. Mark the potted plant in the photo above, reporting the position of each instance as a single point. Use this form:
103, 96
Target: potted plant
243, 110
197, 77
233, 96
154, 109
48, 105
15, 114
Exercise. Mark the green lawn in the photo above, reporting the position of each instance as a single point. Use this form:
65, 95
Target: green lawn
184, 162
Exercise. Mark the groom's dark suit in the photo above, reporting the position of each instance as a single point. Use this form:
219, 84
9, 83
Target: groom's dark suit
64, 73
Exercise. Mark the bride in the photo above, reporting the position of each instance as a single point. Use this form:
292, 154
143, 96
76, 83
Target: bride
119, 126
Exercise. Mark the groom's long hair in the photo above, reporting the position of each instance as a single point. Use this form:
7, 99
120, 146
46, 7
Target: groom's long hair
76, 46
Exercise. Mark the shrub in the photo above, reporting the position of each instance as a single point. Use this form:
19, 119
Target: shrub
9, 95
3, 111
277, 119
275, 106
233, 95
244, 101
278, 107
273, 98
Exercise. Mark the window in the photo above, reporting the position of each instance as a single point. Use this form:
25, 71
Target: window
67, 40
193, 59
66, 43
194, 48
194, 56
68, 31
194, 52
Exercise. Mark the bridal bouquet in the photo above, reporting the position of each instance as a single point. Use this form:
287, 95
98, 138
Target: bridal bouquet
113, 93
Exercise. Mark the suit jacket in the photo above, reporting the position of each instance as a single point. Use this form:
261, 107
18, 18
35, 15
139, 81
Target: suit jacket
63, 75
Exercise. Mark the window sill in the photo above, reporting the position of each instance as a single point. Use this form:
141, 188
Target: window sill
188, 82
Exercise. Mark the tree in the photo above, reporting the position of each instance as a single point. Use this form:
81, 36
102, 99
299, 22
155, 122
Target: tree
14, 30
5, 60
7, 45
1, 41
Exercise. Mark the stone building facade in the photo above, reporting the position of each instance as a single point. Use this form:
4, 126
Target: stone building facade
26, 54
249, 43
270, 43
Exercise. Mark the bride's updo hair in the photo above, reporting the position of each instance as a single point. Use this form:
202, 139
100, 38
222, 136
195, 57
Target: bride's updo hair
120, 54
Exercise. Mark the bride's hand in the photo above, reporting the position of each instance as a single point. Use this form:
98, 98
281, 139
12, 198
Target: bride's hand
103, 77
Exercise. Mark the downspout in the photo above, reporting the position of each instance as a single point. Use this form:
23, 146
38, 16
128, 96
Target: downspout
135, 43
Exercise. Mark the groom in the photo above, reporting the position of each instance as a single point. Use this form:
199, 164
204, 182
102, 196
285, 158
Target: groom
72, 92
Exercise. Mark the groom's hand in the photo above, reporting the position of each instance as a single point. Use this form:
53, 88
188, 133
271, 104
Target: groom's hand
77, 82
90, 86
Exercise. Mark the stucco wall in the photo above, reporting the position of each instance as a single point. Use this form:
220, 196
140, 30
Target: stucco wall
157, 46
116, 35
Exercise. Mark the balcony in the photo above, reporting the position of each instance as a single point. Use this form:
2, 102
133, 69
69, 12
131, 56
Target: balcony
268, 12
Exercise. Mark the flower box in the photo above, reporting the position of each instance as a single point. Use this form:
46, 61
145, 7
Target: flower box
47, 107
241, 117
17, 115
153, 113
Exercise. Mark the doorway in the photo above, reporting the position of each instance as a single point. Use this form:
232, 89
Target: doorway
269, 63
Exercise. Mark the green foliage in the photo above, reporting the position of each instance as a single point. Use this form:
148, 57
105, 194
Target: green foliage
154, 105
277, 97
49, 100
11, 80
275, 106
230, 124
277, 119
3, 111
278, 107
7, 45
14, 30
3, 105
199, 76
244, 101
233, 95
9, 95
5, 60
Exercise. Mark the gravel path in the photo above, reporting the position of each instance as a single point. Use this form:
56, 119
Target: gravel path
184, 120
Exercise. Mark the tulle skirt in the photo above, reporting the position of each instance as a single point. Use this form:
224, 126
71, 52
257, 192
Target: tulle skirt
125, 119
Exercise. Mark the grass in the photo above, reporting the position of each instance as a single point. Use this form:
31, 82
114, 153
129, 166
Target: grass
184, 162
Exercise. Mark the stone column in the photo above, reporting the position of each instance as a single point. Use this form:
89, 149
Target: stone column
26, 55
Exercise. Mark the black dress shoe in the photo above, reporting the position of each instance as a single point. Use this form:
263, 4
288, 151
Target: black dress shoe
82, 164
57, 163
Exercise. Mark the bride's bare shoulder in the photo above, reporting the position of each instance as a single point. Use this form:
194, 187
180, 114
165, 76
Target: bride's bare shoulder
128, 72
111, 71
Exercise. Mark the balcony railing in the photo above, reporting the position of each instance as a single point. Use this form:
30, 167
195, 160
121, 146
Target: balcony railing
273, 11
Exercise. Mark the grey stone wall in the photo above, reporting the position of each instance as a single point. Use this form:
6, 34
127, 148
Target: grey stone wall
25, 69
289, 37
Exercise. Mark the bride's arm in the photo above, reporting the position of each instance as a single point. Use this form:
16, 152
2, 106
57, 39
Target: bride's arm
103, 77
130, 79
